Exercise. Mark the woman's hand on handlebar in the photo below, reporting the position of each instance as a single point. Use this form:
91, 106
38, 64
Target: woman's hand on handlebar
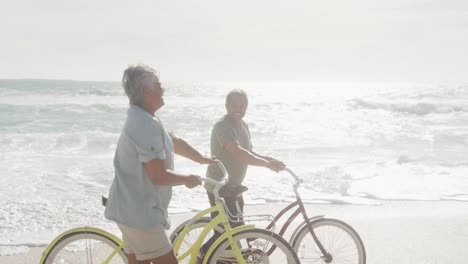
192, 181
276, 165
208, 160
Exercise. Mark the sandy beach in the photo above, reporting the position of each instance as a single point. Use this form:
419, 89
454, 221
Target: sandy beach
404, 232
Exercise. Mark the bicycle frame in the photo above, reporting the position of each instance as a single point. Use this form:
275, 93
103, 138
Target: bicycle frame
221, 218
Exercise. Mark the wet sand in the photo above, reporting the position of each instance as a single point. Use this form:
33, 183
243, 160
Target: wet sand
404, 232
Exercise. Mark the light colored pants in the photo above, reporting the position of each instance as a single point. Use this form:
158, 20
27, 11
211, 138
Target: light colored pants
145, 243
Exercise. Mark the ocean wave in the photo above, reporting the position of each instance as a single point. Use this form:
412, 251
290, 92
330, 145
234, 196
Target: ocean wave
7, 250
44, 99
28, 119
456, 197
50, 144
416, 108
428, 160
22, 87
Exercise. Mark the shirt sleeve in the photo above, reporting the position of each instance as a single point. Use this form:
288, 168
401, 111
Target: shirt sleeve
148, 139
171, 134
224, 134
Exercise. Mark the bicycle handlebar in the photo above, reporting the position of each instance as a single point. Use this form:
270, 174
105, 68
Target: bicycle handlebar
218, 184
214, 182
222, 168
298, 180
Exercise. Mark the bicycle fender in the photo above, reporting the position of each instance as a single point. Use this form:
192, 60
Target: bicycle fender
74, 230
301, 225
180, 227
223, 237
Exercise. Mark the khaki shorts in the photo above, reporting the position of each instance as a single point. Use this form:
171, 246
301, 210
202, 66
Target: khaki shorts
145, 243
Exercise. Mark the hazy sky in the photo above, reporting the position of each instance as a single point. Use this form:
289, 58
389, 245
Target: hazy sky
241, 40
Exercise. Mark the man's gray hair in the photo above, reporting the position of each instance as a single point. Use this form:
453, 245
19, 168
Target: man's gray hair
236, 92
134, 81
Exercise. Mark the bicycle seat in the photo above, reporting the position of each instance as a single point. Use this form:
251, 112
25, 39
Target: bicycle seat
229, 191
103, 201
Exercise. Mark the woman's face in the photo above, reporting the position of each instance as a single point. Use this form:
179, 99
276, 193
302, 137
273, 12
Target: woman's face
154, 95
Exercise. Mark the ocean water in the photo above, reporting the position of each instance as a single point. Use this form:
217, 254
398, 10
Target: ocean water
351, 143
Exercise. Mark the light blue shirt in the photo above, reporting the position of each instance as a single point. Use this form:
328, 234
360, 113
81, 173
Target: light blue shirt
133, 199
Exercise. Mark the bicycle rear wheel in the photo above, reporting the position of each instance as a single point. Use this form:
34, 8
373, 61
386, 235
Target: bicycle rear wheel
85, 246
257, 246
339, 239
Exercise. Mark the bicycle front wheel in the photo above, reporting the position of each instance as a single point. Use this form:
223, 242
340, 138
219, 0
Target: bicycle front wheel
85, 246
340, 240
257, 246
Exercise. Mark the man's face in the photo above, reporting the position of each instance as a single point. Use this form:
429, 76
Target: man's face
236, 107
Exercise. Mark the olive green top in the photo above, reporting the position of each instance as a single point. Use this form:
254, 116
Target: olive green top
224, 132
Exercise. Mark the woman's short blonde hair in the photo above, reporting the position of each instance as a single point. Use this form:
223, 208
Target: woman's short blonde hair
135, 79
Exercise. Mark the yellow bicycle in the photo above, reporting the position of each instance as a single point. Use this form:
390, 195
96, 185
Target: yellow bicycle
244, 244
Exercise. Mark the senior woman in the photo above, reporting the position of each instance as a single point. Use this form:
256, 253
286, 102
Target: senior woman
144, 176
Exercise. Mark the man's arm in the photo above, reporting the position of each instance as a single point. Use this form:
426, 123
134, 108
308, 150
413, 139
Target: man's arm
246, 156
161, 176
261, 156
253, 159
268, 158
182, 148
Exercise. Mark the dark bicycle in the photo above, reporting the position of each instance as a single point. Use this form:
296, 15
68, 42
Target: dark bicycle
316, 240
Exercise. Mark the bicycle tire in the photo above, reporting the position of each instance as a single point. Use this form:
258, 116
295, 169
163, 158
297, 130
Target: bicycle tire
83, 246
257, 246
339, 239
